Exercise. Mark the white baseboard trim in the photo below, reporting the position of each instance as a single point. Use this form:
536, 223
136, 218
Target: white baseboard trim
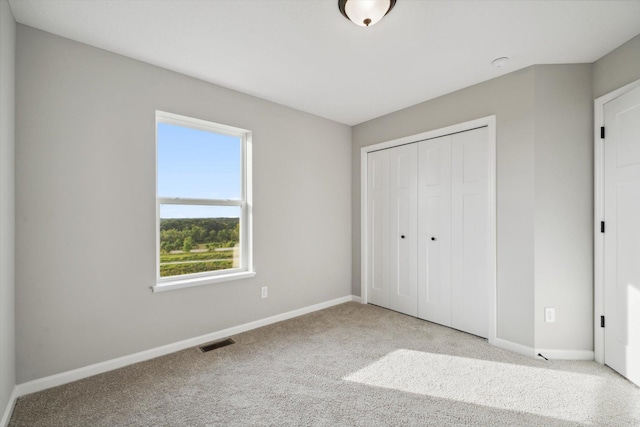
109, 365
6, 415
515, 347
566, 354
357, 299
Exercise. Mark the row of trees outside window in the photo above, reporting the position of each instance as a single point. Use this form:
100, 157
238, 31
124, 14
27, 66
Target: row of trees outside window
187, 234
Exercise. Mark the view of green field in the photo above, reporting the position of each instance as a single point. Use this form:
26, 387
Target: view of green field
195, 245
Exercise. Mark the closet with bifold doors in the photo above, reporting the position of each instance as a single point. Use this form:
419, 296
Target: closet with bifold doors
429, 244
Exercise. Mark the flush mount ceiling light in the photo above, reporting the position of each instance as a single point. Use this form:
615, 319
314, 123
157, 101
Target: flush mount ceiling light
365, 13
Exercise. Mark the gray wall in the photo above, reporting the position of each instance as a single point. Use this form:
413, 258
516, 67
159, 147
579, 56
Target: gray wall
7, 204
564, 206
511, 99
85, 207
617, 68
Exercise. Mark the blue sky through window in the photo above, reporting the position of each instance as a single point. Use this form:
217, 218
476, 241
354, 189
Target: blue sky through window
197, 164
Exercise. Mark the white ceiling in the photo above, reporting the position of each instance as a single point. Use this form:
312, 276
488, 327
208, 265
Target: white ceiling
306, 55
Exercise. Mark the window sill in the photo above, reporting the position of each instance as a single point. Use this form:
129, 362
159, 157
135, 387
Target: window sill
189, 283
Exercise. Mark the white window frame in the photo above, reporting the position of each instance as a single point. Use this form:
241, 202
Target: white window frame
245, 203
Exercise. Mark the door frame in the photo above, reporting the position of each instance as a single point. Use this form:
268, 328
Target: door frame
598, 215
490, 123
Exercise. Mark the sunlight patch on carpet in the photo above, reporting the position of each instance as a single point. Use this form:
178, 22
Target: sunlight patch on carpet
551, 393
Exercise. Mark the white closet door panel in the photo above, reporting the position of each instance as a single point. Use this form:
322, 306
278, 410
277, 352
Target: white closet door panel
403, 221
470, 232
378, 219
434, 230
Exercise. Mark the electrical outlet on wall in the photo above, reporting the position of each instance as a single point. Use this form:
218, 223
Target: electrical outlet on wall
549, 314
264, 292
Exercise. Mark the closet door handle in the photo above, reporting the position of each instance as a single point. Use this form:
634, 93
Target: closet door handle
433, 238
402, 237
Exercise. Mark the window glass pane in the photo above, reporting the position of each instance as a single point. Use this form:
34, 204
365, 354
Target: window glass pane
198, 164
196, 238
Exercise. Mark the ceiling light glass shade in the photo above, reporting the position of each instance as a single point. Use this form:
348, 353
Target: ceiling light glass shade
365, 12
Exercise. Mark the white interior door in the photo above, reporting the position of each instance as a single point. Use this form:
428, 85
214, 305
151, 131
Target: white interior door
403, 240
392, 229
454, 214
470, 232
622, 234
378, 228
428, 230
434, 230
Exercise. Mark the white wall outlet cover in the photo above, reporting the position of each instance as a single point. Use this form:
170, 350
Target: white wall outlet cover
264, 292
549, 314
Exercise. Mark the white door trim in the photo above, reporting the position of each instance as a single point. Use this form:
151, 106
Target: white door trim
598, 215
490, 123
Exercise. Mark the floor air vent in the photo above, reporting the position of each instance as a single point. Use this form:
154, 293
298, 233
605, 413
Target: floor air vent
216, 344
